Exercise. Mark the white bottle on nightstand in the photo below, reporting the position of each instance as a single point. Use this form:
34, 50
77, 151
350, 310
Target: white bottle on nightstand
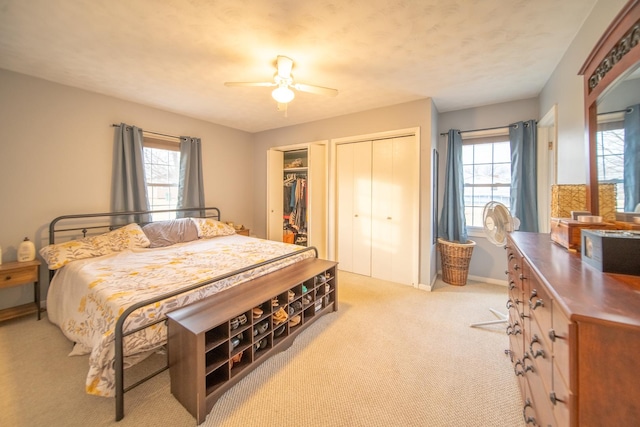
26, 250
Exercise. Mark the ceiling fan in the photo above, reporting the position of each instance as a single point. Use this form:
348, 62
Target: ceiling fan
283, 81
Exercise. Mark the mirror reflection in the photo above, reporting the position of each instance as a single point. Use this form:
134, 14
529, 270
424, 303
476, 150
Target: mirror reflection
618, 141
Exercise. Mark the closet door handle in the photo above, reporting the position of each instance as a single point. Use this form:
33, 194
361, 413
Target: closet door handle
356, 215
388, 217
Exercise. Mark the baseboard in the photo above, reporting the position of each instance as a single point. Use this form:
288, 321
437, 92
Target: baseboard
488, 280
481, 279
429, 287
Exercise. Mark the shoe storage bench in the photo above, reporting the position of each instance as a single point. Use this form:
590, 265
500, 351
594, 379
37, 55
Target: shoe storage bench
217, 341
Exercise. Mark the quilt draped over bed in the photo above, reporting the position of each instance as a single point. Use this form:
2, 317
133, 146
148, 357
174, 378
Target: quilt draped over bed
87, 296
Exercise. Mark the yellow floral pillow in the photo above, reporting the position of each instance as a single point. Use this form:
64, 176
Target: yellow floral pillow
208, 227
127, 237
61, 254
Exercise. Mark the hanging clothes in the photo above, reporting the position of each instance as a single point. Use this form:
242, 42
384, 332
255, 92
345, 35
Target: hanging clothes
295, 202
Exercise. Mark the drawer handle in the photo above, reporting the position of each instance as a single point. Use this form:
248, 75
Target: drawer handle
514, 329
538, 303
553, 336
516, 267
510, 304
7, 278
511, 256
536, 353
515, 368
524, 365
506, 272
512, 285
554, 399
534, 293
521, 277
510, 354
528, 420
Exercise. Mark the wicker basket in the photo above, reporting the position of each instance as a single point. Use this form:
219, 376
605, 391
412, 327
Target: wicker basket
455, 259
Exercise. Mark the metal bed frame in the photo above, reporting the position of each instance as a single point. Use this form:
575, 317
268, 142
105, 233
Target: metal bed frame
120, 334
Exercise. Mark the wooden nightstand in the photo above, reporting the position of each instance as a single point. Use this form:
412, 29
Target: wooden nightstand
244, 232
19, 274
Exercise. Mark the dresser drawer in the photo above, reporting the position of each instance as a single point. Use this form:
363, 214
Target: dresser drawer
538, 301
540, 400
560, 337
539, 350
19, 276
561, 398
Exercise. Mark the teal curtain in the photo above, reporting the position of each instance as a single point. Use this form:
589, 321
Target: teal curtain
524, 174
128, 185
190, 187
632, 158
453, 226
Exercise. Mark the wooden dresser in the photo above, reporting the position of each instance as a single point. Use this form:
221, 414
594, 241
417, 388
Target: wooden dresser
574, 336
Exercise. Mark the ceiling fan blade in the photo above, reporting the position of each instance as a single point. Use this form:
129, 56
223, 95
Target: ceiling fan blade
265, 84
285, 64
319, 90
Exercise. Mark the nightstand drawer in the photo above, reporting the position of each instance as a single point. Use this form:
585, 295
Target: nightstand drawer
19, 276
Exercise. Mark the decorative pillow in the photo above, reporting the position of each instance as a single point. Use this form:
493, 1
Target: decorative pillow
208, 227
128, 237
61, 254
167, 233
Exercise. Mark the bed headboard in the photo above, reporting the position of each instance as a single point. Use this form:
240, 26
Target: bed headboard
70, 227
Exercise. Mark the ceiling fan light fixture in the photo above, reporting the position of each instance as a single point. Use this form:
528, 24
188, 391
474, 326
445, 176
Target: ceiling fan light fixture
283, 94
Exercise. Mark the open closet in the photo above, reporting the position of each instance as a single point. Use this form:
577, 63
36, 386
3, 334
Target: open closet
297, 195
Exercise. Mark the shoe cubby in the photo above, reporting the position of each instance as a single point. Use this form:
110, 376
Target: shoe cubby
215, 342
216, 378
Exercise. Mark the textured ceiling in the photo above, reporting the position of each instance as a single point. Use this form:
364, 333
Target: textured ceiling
176, 54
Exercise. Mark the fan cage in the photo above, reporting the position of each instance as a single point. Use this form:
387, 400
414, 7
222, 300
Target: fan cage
455, 258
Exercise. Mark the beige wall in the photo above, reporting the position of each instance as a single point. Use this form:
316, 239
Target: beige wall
56, 147
418, 114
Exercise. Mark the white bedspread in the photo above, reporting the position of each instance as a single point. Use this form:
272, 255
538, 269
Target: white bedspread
86, 296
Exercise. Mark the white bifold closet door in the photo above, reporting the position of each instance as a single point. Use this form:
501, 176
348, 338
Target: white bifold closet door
378, 197
354, 207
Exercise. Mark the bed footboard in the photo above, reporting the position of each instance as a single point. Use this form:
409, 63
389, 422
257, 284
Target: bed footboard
120, 334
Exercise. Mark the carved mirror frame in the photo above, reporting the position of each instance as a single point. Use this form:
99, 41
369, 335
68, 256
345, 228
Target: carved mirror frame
615, 55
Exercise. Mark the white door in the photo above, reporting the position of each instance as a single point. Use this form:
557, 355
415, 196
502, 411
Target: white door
317, 198
275, 199
354, 207
378, 208
394, 207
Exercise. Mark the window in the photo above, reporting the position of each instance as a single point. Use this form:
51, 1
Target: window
487, 175
162, 173
610, 158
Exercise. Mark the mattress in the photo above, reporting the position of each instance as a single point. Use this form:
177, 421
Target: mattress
87, 296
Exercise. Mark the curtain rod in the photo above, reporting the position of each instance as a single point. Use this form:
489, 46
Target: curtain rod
479, 130
154, 133
626, 110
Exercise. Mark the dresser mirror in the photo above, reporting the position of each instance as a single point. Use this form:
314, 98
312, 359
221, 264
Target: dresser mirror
611, 86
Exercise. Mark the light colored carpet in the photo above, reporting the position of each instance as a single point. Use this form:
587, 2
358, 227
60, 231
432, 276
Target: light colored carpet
391, 356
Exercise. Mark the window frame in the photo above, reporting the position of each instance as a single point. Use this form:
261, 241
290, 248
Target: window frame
610, 122
490, 136
168, 144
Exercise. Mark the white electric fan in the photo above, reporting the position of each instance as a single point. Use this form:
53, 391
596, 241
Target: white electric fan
497, 222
